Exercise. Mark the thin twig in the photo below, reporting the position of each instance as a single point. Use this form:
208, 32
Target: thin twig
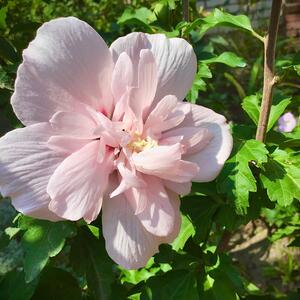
269, 76
290, 84
185, 10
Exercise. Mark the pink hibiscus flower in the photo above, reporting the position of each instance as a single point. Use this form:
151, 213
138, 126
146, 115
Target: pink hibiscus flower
106, 129
287, 122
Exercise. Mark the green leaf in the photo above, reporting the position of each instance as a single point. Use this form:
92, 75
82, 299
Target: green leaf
134, 296
200, 211
256, 71
227, 217
284, 232
281, 178
7, 213
219, 40
89, 257
136, 276
7, 51
228, 58
57, 284
199, 84
217, 289
42, 240
5, 81
251, 105
236, 179
3, 12
295, 242
221, 18
11, 254
204, 71
186, 231
294, 64
240, 90
173, 285
223, 282
4, 241
296, 59
10, 257
276, 111
140, 17
14, 287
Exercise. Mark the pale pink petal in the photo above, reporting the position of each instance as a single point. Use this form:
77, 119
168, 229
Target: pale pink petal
165, 162
213, 156
175, 60
137, 199
162, 110
158, 216
78, 184
167, 141
129, 179
175, 202
182, 188
174, 119
111, 132
140, 98
26, 164
122, 107
136, 192
122, 76
73, 124
132, 44
167, 114
183, 171
122, 187
147, 79
66, 144
101, 151
160, 157
127, 241
134, 114
160, 113
194, 139
177, 65
67, 62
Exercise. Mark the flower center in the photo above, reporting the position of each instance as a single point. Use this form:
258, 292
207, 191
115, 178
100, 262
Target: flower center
138, 144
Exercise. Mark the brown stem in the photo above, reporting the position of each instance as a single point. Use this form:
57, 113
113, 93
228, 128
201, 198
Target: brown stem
223, 243
269, 81
269, 76
185, 10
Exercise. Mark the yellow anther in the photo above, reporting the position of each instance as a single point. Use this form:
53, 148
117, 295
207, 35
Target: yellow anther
138, 144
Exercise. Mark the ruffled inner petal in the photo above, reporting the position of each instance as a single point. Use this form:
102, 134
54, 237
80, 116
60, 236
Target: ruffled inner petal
77, 186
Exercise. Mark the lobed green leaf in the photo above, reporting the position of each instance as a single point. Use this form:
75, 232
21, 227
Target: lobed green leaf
281, 178
42, 240
236, 179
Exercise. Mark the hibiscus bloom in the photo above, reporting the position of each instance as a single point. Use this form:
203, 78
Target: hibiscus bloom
106, 129
287, 122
